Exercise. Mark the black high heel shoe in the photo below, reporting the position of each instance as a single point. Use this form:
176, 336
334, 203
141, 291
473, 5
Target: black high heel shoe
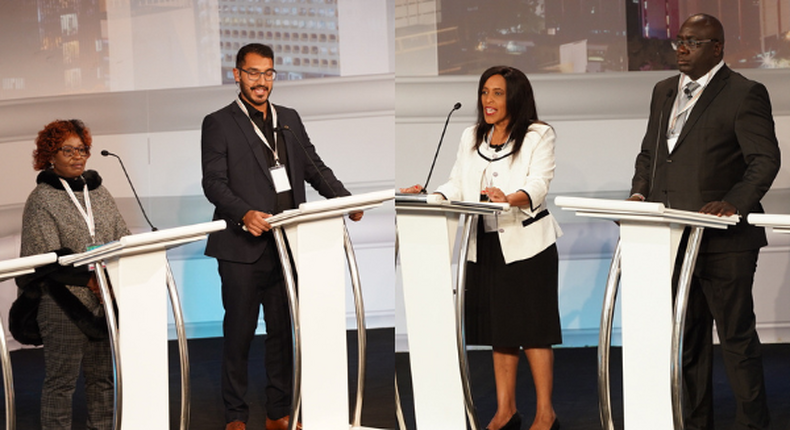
514, 423
555, 425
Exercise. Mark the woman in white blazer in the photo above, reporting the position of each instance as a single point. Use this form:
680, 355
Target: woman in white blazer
511, 299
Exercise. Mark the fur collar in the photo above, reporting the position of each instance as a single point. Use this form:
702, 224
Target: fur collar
49, 177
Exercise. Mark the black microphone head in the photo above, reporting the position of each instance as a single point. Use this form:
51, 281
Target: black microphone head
105, 152
457, 106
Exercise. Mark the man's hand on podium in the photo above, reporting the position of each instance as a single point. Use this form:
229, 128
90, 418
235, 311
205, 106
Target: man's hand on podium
355, 216
636, 197
255, 222
721, 208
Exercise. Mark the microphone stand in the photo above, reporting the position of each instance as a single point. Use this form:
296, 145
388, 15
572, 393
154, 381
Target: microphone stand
433, 164
106, 153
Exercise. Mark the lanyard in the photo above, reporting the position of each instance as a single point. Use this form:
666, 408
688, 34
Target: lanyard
686, 108
689, 104
87, 213
258, 131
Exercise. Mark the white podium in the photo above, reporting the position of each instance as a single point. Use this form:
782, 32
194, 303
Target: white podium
320, 245
777, 223
138, 268
427, 227
11, 269
652, 331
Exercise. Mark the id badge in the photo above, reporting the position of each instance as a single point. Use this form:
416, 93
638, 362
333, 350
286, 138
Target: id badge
280, 178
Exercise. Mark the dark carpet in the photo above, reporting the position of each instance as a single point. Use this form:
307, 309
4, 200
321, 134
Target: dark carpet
576, 388
206, 406
575, 396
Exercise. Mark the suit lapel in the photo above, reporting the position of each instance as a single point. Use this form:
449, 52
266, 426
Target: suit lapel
256, 146
666, 114
709, 93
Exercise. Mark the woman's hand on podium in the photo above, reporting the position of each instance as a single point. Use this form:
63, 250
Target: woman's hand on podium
415, 189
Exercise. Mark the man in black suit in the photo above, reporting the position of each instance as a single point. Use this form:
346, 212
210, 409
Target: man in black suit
713, 149
256, 159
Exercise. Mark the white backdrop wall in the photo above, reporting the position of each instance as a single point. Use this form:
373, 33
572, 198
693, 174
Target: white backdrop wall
600, 121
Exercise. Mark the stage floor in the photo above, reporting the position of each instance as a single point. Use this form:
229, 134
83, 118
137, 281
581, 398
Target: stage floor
575, 394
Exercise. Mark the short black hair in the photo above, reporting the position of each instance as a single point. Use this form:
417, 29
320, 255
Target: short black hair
264, 51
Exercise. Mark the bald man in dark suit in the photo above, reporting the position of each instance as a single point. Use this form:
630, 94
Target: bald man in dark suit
715, 152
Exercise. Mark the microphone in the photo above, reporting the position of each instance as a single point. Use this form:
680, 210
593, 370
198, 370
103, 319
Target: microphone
106, 153
430, 172
301, 145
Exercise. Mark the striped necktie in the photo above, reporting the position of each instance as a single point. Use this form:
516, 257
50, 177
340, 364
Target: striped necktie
682, 113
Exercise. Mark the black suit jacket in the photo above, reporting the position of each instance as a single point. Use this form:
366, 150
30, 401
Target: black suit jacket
236, 176
726, 151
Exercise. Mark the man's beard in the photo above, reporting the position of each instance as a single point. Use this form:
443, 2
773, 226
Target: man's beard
252, 98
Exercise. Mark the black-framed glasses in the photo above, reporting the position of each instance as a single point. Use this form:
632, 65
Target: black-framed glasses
71, 152
690, 44
254, 75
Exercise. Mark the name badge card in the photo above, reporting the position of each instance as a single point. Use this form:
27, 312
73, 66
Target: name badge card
280, 178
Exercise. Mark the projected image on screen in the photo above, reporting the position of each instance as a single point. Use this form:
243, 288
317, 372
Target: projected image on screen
464, 37
60, 47
757, 33
303, 34
543, 36
52, 47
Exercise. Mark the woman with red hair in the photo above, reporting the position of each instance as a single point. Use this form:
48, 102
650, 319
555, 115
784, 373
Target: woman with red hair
69, 211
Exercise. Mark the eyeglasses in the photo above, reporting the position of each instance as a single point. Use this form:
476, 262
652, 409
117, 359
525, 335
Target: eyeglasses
254, 75
690, 44
71, 152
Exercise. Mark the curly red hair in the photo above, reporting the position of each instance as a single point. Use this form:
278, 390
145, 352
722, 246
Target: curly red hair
51, 138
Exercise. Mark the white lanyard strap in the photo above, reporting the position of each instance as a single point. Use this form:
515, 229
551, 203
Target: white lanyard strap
689, 104
259, 133
87, 213
686, 108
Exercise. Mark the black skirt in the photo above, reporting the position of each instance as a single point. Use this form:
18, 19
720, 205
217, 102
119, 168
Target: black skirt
512, 305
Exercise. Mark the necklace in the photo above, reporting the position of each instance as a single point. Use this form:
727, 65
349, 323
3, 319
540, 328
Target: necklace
496, 147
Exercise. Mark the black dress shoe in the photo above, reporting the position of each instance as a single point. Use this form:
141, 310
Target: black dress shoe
514, 423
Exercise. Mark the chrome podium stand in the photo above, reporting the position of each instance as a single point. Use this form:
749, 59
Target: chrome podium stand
11, 269
138, 267
427, 227
650, 236
320, 243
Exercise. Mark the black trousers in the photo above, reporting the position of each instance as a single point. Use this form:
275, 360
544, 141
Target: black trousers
245, 287
721, 291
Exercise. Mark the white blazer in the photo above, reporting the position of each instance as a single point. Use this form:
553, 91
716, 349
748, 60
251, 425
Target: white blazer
523, 231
